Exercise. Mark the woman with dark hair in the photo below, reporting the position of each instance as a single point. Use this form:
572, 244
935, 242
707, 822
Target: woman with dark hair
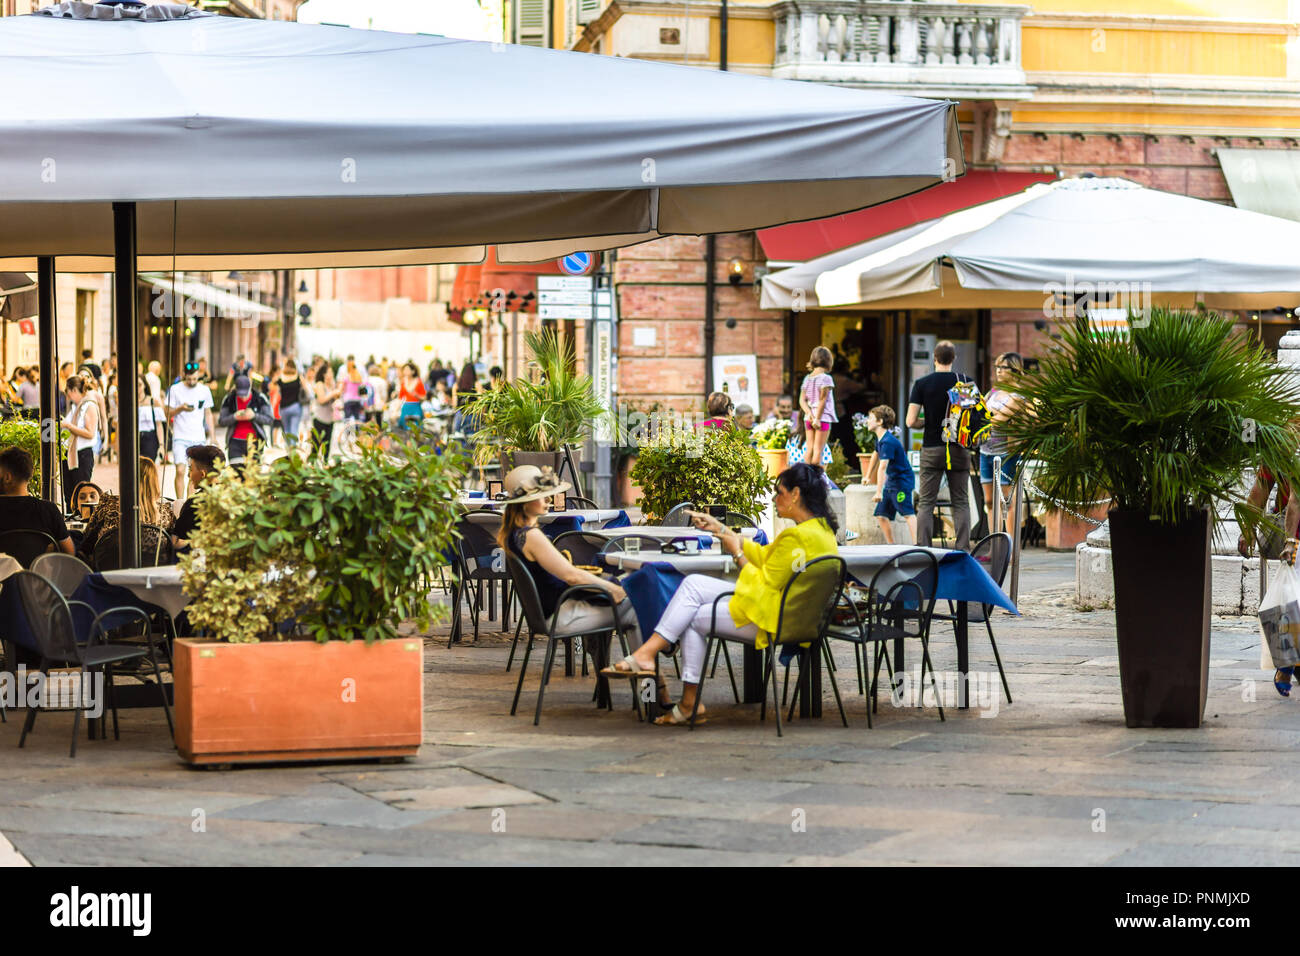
755, 606
324, 392
82, 420
411, 391
464, 392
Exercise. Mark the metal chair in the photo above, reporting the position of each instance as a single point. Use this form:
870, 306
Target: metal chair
539, 624
901, 607
583, 546
50, 616
64, 571
478, 552
994, 552
677, 516
578, 501
25, 545
807, 602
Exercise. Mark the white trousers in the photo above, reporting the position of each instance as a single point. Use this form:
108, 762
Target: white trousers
689, 616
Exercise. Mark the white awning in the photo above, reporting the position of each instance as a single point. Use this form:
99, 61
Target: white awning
191, 294
1095, 236
1263, 180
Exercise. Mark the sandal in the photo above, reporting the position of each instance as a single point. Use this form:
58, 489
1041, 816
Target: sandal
631, 670
679, 718
1282, 680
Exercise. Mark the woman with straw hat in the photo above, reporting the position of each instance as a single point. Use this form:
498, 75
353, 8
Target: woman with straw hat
527, 488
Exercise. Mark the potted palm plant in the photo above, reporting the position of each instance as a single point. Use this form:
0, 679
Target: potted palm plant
529, 421
1161, 420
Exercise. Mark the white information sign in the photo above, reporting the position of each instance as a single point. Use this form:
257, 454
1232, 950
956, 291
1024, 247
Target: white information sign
740, 374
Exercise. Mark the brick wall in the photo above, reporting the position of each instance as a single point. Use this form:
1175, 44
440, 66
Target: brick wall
660, 286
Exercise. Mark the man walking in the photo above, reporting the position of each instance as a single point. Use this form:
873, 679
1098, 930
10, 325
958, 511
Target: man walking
247, 413
940, 458
189, 406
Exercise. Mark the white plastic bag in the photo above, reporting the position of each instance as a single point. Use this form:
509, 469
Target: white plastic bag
1279, 617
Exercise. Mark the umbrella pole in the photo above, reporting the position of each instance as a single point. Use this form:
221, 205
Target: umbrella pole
49, 377
128, 463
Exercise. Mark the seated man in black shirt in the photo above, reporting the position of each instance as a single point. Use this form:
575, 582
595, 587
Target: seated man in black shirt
203, 463
19, 511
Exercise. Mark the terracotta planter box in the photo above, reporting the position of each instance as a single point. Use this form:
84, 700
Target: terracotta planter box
297, 700
1065, 531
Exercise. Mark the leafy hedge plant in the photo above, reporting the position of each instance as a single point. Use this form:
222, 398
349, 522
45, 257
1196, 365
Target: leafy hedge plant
26, 434
344, 549
714, 466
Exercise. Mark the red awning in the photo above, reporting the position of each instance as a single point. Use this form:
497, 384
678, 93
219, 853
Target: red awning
801, 241
475, 284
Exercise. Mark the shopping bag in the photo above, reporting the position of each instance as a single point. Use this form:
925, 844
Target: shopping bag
1279, 617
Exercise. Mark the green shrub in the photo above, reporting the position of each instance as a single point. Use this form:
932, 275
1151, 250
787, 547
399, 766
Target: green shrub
713, 466
346, 548
838, 470
26, 434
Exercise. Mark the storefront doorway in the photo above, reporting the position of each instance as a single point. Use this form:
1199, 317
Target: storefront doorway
879, 354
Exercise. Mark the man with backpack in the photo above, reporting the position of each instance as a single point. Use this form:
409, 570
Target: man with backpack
952, 426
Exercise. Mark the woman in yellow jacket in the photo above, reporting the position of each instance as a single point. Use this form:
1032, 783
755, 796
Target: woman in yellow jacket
765, 570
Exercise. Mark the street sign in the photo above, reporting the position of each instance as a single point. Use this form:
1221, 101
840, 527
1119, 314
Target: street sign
564, 297
575, 311
579, 263
555, 283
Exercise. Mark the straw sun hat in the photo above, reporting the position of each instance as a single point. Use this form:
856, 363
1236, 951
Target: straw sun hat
528, 483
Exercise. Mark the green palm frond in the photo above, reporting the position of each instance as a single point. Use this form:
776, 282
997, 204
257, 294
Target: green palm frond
1164, 420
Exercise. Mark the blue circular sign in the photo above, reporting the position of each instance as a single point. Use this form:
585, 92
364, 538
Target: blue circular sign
578, 263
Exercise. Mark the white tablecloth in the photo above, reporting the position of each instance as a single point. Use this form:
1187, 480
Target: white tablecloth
159, 586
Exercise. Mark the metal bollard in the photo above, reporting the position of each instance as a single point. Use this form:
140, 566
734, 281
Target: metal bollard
1017, 497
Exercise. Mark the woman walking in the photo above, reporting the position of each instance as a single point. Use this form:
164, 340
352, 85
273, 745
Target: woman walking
82, 420
150, 415
324, 393
290, 386
1002, 403
411, 391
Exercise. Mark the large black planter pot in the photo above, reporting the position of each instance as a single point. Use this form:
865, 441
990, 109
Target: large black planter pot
1162, 617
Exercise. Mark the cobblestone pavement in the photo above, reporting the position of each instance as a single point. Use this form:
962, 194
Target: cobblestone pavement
1054, 778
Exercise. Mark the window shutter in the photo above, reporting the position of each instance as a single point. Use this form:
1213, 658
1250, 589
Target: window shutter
531, 23
588, 10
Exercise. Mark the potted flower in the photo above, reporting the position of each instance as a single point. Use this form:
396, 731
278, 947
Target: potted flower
709, 466
771, 438
301, 573
1161, 421
530, 421
866, 441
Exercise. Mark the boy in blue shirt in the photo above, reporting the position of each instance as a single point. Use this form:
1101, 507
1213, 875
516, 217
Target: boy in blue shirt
895, 479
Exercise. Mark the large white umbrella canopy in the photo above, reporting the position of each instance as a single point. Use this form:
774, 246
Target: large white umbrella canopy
1087, 235
249, 143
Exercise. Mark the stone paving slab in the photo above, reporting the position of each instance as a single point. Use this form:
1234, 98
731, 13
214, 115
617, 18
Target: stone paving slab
598, 788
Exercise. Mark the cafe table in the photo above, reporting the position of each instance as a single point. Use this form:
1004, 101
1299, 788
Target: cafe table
662, 533
962, 580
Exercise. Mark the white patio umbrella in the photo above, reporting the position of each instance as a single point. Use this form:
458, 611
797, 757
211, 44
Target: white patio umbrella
158, 137
1072, 234
248, 143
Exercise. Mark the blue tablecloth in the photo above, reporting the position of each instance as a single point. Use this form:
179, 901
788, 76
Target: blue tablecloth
621, 521
102, 596
961, 578
650, 588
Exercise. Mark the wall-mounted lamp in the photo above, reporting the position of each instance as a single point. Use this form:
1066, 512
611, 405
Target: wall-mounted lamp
302, 286
736, 271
